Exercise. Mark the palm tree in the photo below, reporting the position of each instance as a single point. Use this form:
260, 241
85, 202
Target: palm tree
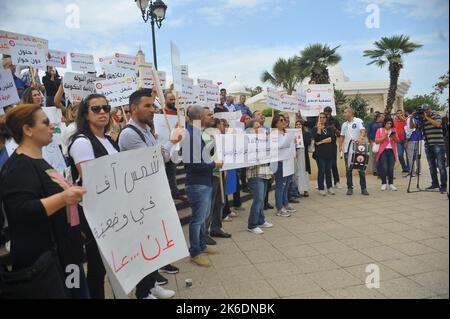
285, 74
316, 58
390, 50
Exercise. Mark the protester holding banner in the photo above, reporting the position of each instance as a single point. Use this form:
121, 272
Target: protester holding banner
137, 134
371, 134
303, 166
8, 65
88, 143
242, 107
32, 96
387, 155
258, 178
334, 123
198, 183
51, 81
41, 212
324, 154
281, 182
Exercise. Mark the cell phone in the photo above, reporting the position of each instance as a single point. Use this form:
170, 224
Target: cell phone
392, 134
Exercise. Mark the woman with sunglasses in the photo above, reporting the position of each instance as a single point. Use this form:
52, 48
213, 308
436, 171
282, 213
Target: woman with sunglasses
36, 200
281, 183
323, 138
88, 143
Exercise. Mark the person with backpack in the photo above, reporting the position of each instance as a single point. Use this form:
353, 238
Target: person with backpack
88, 143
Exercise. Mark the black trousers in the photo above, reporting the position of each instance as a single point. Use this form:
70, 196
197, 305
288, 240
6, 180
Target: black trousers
145, 285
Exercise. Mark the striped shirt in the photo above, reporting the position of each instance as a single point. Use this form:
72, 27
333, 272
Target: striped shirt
433, 134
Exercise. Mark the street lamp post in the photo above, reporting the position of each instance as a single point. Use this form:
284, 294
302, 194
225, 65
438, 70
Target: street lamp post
155, 11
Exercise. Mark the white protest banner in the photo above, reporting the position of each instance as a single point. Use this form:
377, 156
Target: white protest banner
106, 61
6, 38
126, 61
204, 83
113, 72
289, 103
161, 127
273, 99
117, 91
184, 70
57, 59
77, 86
146, 80
8, 90
176, 67
317, 98
28, 53
55, 116
82, 62
208, 93
187, 95
132, 215
229, 116
298, 137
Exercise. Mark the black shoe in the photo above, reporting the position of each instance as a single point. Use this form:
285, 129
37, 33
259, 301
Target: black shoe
160, 280
432, 187
210, 241
169, 269
268, 207
246, 190
350, 192
294, 201
443, 191
220, 234
365, 192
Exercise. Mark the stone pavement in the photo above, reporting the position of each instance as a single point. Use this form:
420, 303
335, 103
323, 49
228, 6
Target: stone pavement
322, 251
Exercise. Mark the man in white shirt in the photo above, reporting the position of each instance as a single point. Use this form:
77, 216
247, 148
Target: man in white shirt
352, 130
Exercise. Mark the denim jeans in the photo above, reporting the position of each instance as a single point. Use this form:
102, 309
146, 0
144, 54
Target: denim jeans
387, 163
349, 173
401, 156
281, 188
213, 222
258, 188
335, 170
324, 173
199, 197
436, 160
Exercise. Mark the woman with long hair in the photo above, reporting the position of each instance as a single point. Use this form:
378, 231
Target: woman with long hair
387, 155
32, 96
51, 82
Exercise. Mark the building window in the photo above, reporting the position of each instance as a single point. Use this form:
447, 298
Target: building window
371, 110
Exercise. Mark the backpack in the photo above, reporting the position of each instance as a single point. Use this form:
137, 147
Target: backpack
134, 128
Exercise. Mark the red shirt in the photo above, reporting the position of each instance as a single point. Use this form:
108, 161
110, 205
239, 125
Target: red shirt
170, 112
400, 128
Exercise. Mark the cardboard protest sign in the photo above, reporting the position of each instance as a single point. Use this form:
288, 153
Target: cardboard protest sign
315, 98
6, 38
106, 61
117, 91
55, 116
298, 137
28, 53
176, 67
126, 61
187, 95
8, 90
77, 86
113, 72
82, 62
184, 70
208, 93
57, 59
229, 116
146, 79
289, 103
273, 99
135, 224
161, 127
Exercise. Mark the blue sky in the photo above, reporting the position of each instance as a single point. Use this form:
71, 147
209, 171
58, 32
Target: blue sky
220, 39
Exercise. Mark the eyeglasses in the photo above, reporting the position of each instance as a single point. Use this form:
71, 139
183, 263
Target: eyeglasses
97, 108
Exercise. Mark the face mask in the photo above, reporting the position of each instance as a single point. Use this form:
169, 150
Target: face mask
171, 106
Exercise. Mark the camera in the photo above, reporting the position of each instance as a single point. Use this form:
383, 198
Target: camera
419, 116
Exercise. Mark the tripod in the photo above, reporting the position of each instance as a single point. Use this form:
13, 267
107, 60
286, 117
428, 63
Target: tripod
417, 159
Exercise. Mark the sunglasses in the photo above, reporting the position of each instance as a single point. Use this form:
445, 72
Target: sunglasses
97, 108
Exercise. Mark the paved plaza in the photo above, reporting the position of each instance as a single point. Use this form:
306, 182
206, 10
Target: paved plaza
322, 251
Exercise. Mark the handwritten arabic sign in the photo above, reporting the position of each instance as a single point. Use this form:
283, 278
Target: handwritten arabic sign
117, 91
113, 72
176, 67
8, 91
82, 62
57, 59
146, 80
28, 53
6, 38
135, 223
126, 61
315, 98
77, 86
208, 93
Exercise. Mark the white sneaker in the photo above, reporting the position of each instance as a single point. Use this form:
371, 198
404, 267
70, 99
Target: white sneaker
383, 187
330, 192
338, 186
150, 296
322, 193
393, 188
283, 213
160, 293
256, 231
289, 209
228, 219
266, 225
233, 214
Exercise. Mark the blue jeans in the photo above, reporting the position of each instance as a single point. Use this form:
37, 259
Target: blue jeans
324, 166
387, 163
258, 188
199, 197
349, 173
281, 188
401, 156
436, 159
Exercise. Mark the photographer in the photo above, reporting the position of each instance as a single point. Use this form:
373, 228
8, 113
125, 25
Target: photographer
431, 125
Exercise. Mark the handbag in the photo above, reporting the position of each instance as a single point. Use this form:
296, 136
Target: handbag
42, 280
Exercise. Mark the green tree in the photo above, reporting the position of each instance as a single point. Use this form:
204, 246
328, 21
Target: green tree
316, 59
418, 100
340, 100
441, 86
285, 74
359, 106
390, 51
254, 91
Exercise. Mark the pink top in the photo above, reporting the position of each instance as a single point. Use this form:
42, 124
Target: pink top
385, 143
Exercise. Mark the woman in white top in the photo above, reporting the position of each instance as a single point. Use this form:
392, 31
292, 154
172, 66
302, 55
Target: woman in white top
88, 143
